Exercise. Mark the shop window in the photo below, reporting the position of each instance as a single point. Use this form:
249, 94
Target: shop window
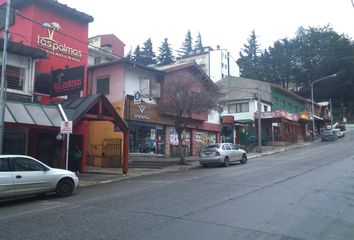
146, 139
15, 77
103, 85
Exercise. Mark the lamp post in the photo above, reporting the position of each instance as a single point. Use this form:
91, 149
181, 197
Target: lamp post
312, 104
3, 76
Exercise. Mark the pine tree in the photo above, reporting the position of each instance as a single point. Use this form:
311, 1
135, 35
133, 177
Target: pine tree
165, 57
249, 58
148, 56
198, 45
186, 45
137, 55
129, 56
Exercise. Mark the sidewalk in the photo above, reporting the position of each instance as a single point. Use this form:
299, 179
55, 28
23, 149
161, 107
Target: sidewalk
96, 175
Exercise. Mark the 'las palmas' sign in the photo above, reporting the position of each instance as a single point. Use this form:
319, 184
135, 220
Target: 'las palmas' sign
56, 48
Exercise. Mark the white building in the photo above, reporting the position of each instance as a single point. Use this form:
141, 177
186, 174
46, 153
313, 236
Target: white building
218, 63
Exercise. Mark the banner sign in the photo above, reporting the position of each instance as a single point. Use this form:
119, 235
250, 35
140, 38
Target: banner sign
278, 114
67, 81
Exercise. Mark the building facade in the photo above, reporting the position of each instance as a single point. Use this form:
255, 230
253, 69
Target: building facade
55, 36
217, 64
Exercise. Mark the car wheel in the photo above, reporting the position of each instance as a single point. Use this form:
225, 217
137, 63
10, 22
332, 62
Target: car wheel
204, 165
65, 187
244, 159
226, 162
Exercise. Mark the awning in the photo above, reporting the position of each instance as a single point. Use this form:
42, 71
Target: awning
32, 114
244, 120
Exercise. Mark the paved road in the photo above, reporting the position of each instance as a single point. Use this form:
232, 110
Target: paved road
306, 193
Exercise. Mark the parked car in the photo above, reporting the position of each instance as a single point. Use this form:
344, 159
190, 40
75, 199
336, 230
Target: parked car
338, 132
328, 135
23, 175
222, 154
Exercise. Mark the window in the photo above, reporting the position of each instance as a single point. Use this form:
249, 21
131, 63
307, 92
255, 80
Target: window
97, 60
4, 165
290, 106
227, 147
238, 108
15, 77
275, 100
103, 85
26, 164
265, 108
232, 108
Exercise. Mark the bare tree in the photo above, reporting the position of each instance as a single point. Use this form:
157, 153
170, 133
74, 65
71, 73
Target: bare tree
188, 97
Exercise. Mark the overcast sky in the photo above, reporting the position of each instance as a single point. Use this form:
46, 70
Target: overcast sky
227, 23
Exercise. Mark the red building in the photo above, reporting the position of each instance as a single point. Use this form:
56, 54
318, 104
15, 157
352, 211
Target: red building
62, 33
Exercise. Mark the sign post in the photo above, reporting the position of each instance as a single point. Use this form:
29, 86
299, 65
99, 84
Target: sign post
66, 127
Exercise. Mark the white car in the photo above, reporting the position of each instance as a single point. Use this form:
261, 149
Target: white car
23, 175
338, 132
222, 154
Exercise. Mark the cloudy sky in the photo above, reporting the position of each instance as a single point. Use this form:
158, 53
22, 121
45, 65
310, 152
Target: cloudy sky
227, 23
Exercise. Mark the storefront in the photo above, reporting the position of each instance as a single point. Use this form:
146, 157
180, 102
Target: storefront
279, 126
147, 128
146, 138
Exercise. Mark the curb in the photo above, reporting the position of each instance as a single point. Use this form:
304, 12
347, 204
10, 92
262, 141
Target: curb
175, 168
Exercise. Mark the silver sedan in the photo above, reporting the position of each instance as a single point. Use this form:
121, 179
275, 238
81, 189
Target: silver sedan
222, 154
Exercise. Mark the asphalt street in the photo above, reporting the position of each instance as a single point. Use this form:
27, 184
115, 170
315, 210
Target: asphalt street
305, 193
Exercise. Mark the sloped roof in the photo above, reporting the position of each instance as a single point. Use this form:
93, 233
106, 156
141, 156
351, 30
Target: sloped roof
76, 109
238, 88
72, 12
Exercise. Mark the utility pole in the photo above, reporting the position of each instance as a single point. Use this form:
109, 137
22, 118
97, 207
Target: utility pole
259, 113
331, 112
3, 76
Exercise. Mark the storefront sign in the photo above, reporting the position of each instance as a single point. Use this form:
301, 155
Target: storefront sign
56, 48
227, 119
67, 81
279, 114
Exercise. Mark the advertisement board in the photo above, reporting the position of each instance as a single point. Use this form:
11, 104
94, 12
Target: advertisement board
67, 81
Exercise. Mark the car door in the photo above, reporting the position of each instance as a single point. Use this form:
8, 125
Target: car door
237, 152
6, 179
229, 152
30, 176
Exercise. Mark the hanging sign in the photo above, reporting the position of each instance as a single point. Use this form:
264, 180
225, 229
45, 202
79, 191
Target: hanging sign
66, 127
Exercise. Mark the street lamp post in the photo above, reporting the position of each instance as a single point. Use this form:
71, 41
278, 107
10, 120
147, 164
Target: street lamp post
312, 103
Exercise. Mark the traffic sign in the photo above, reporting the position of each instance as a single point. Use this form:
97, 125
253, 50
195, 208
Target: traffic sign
137, 97
66, 127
